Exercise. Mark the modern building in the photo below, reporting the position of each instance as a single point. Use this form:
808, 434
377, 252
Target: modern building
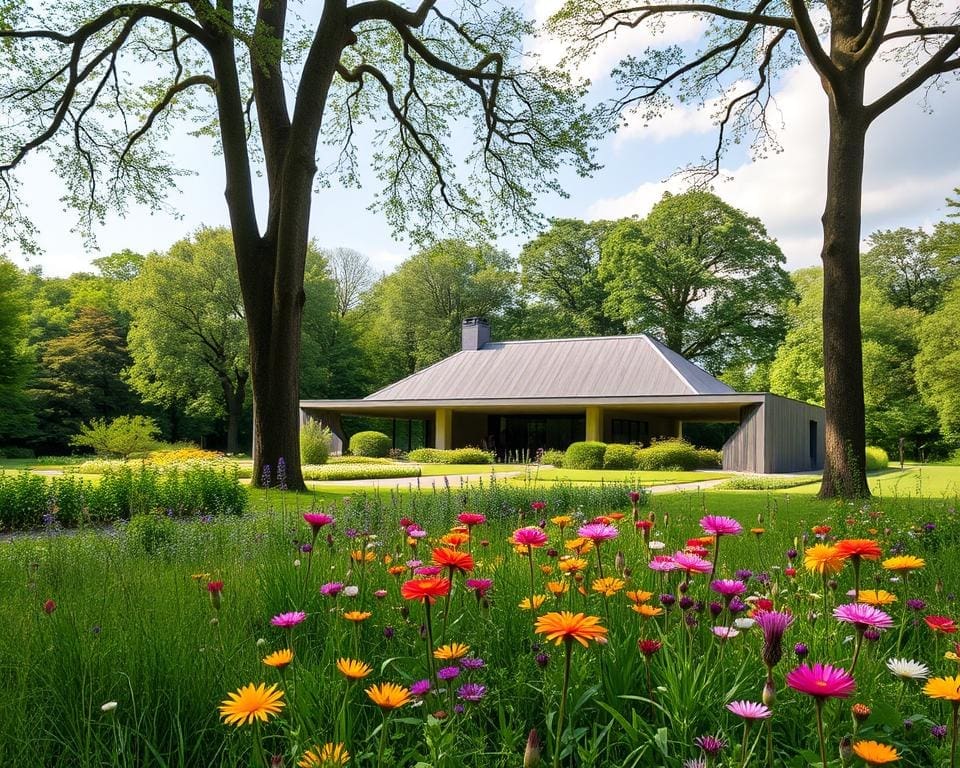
524, 395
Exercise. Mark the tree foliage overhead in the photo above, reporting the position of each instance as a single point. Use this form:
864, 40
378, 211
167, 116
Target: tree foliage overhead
904, 264
703, 276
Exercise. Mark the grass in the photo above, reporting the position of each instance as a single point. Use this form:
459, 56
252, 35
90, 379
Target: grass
664, 477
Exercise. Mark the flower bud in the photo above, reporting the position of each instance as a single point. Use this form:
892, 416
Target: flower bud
769, 693
846, 750
531, 755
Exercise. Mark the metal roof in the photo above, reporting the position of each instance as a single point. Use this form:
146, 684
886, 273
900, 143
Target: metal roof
599, 367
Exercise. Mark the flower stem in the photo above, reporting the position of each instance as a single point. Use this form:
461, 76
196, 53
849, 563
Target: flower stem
856, 650
716, 556
426, 608
563, 701
383, 740
533, 610
953, 743
599, 561
743, 749
823, 746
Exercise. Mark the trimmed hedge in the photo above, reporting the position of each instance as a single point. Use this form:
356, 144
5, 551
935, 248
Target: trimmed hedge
708, 458
552, 457
619, 456
877, 458
671, 454
358, 460
314, 443
761, 483
584, 455
359, 471
375, 444
454, 456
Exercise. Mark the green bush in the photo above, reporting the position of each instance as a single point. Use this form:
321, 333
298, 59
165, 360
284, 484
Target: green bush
24, 500
314, 443
671, 454
552, 457
153, 534
454, 456
761, 483
585, 455
708, 458
375, 444
877, 458
359, 472
13, 452
619, 456
358, 460
123, 437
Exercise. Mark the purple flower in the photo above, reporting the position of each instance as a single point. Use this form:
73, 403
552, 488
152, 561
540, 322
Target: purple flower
458, 709
916, 604
862, 616
542, 660
715, 609
306, 548
265, 476
389, 632
712, 745
471, 691
685, 603
331, 589
597, 532
667, 600
773, 624
447, 673
791, 554
420, 688
288, 620
744, 574
939, 732
282, 473
749, 710
737, 605
470, 662
801, 650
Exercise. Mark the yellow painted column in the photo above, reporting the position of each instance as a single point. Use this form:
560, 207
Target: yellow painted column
443, 429
594, 423
679, 428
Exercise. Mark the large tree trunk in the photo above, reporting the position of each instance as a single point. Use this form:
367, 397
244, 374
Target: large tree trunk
844, 471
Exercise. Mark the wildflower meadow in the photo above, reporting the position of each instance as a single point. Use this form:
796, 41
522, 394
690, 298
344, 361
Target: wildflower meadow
599, 629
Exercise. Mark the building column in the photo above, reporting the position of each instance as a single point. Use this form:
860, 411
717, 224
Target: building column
594, 430
443, 429
679, 428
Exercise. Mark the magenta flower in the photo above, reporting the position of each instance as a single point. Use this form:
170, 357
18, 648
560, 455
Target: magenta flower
447, 673
749, 710
529, 537
420, 687
316, 520
428, 570
480, 586
471, 691
415, 532
331, 589
662, 564
822, 681
471, 519
288, 620
862, 616
712, 745
773, 624
598, 532
728, 587
691, 563
717, 525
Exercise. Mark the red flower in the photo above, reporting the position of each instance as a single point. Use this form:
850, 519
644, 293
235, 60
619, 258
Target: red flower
215, 587
649, 647
789, 572
471, 519
452, 559
49, 607
425, 589
941, 624
867, 549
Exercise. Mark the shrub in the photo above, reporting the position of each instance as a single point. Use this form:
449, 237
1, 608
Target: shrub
375, 444
153, 533
314, 443
123, 437
877, 458
24, 500
672, 454
358, 460
359, 471
552, 457
182, 454
454, 456
708, 458
13, 452
619, 456
585, 455
761, 483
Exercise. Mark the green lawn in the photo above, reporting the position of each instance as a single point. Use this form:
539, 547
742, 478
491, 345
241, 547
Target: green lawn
437, 470
622, 476
929, 481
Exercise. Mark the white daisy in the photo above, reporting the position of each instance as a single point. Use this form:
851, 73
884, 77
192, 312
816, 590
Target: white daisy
907, 669
656, 544
744, 622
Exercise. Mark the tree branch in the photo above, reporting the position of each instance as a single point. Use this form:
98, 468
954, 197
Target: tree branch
939, 63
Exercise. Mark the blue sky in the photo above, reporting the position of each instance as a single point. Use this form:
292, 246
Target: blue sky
912, 164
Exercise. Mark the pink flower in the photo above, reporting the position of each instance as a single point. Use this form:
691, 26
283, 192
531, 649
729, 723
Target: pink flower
822, 681
862, 616
480, 586
316, 520
428, 570
538, 506
471, 519
717, 525
416, 532
529, 537
331, 589
597, 532
749, 710
691, 563
662, 564
728, 587
288, 620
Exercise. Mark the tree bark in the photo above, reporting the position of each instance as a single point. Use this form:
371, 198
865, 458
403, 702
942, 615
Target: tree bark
844, 471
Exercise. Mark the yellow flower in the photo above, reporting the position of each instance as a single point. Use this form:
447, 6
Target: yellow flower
451, 651
538, 600
200, 576
824, 559
607, 586
904, 563
572, 564
561, 520
557, 588
877, 597
647, 611
358, 555
279, 659
639, 596
875, 753
580, 545
546, 570
357, 616
252, 702
327, 756
454, 539
943, 688
389, 695
567, 627
352, 669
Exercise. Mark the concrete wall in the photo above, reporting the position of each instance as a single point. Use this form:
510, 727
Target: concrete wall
775, 437
743, 451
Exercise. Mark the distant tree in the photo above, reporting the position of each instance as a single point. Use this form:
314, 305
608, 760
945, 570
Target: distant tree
120, 266
352, 276
904, 265
894, 406
422, 304
742, 48
122, 437
703, 276
938, 362
560, 269
188, 332
16, 417
78, 377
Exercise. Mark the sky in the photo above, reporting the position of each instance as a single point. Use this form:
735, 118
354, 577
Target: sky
912, 164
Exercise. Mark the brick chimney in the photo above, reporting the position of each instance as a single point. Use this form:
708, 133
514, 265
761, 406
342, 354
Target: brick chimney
474, 333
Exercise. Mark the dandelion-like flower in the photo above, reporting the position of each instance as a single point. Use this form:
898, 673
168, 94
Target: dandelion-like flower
907, 669
862, 616
822, 681
532, 603
327, 756
823, 559
279, 659
607, 586
749, 710
597, 532
565, 626
389, 695
946, 688
904, 563
357, 616
875, 753
877, 597
250, 703
451, 651
718, 525
288, 620
353, 669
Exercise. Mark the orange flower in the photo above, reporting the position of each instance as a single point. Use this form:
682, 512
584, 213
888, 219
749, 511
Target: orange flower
877, 597
353, 669
607, 586
251, 703
866, 549
823, 559
572, 564
565, 626
425, 589
388, 695
452, 559
455, 539
579, 545
875, 753
357, 616
451, 651
639, 596
647, 611
397, 570
557, 588
538, 600
279, 659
